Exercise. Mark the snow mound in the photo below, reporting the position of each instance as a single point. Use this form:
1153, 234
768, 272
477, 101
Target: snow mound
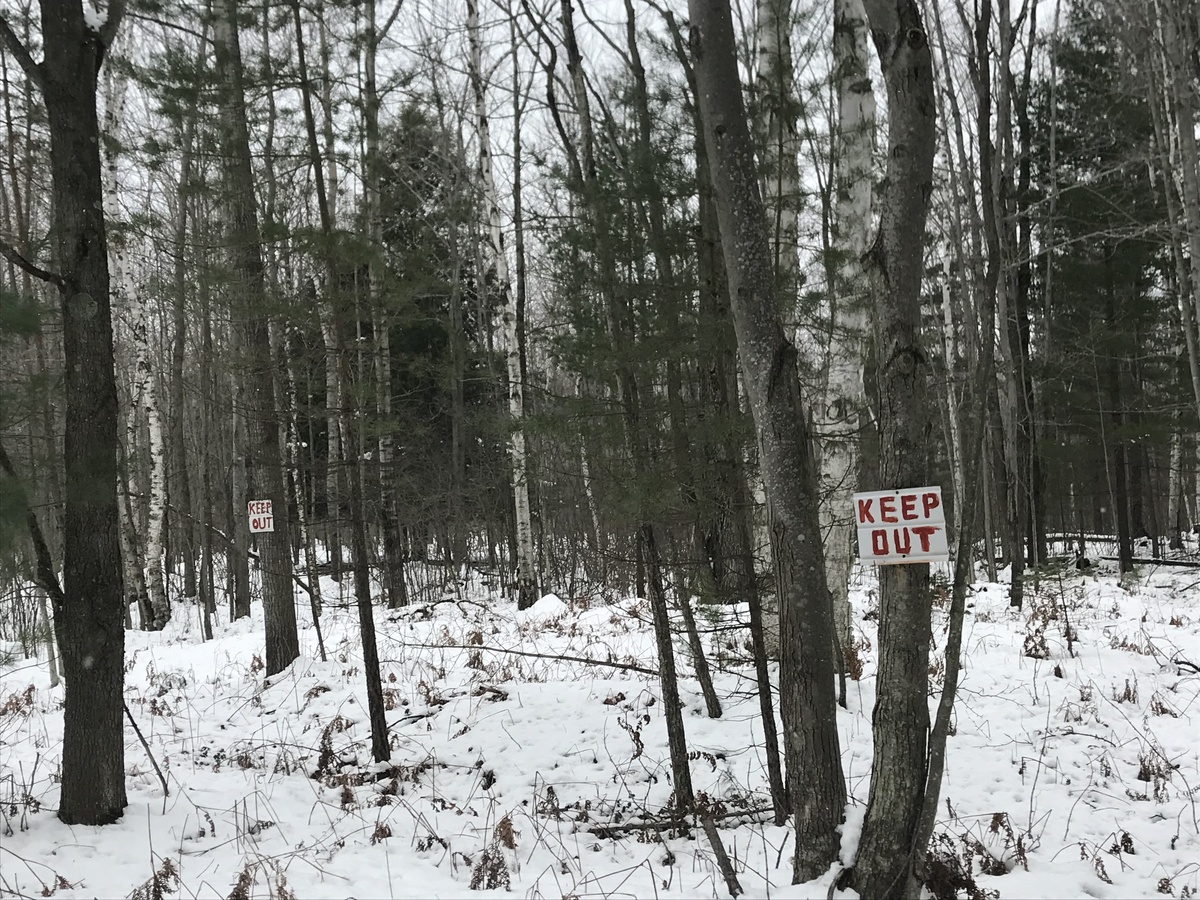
547, 609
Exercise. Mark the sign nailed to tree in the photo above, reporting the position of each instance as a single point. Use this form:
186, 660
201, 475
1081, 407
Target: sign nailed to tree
907, 525
261, 517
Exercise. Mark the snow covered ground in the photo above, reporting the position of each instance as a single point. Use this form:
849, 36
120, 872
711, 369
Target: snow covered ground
1073, 769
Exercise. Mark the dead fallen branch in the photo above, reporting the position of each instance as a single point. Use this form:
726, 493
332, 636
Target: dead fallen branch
723, 861
146, 746
1153, 561
480, 648
616, 829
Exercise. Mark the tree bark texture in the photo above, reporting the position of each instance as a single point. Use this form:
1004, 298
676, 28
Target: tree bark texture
90, 623
816, 786
906, 419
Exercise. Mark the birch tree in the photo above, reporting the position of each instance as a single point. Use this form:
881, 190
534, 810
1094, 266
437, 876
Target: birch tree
518, 451
144, 403
836, 420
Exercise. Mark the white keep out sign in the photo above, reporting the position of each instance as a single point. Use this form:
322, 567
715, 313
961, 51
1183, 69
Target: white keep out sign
261, 517
907, 525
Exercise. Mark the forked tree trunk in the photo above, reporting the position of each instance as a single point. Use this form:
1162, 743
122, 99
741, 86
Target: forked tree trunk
816, 786
901, 716
775, 127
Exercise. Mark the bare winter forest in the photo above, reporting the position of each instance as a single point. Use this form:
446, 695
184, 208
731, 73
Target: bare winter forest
429, 433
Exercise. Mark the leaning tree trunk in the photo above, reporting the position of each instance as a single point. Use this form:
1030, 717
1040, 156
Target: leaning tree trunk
342, 317
518, 451
89, 614
687, 475
816, 786
906, 415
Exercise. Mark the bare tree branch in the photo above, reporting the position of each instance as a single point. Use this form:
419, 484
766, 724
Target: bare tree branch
391, 20
9, 252
551, 99
108, 31
45, 574
21, 53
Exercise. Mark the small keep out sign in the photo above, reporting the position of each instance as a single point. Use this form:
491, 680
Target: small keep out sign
261, 517
907, 525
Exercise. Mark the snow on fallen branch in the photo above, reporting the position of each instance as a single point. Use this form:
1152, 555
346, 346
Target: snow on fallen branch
477, 648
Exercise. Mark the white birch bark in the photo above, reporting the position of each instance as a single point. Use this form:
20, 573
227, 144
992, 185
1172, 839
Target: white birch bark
51, 653
145, 388
147, 392
1175, 491
585, 472
526, 574
836, 418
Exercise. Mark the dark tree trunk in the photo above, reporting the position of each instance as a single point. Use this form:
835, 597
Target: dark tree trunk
1119, 471
179, 456
901, 717
727, 540
90, 617
343, 312
809, 705
264, 461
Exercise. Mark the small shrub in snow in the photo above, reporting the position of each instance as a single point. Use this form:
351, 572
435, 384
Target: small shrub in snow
491, 871
1128, 695
163, 882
